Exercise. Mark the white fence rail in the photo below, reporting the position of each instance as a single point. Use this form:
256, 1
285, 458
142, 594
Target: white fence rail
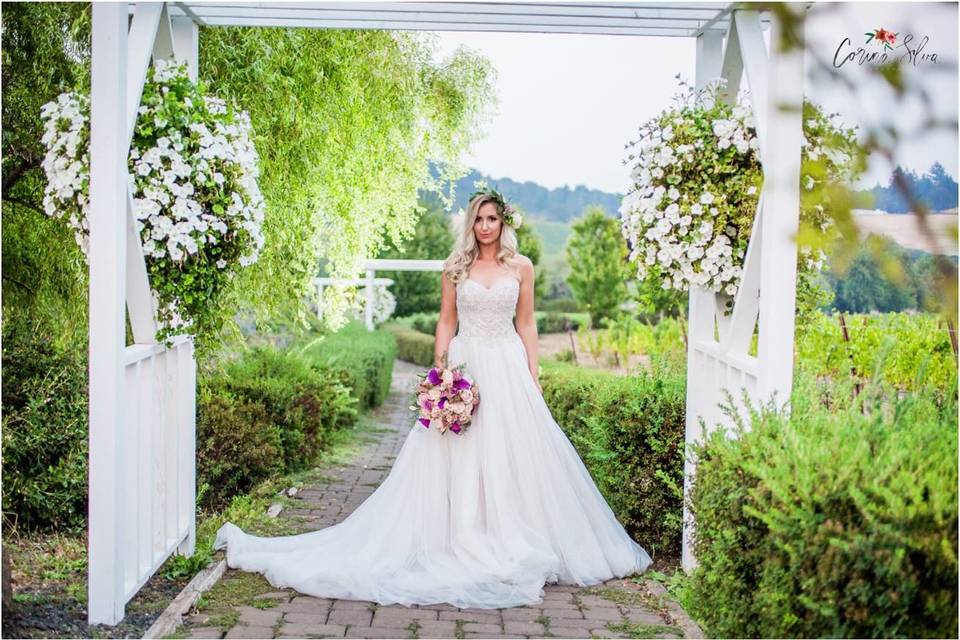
157, 454
370, 281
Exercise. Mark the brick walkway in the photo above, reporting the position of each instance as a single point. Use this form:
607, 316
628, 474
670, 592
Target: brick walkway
616, 609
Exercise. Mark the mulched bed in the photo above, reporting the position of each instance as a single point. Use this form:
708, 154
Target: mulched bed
51, 603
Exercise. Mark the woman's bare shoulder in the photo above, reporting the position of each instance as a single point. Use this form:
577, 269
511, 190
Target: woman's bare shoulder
519, 260
521, 265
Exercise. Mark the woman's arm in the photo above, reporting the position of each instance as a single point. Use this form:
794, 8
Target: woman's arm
526, 322
447, 322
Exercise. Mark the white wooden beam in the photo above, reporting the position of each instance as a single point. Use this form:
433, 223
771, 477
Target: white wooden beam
393, 25
702, 309
680, 19
163, 43
186, 44
143, 318
778, 267
746, 304
108, 191
746, 50
143, 31
709, 46
732, 66
754, 54
390, 264
151, 35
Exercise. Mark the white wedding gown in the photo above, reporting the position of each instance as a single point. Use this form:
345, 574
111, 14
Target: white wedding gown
482, 519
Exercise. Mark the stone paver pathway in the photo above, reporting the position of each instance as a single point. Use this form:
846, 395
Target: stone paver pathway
616, 609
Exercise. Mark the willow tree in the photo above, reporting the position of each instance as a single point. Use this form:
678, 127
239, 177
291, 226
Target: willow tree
46, 50
346, 124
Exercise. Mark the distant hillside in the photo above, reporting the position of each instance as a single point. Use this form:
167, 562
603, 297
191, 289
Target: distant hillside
557, 205
935, 188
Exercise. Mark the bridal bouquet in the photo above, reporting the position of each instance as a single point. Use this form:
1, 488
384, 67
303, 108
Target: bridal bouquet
446, 398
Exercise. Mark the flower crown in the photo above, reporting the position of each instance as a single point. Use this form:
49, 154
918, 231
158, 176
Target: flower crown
510, 215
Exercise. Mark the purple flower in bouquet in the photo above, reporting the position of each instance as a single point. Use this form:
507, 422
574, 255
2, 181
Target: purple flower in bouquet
446, 398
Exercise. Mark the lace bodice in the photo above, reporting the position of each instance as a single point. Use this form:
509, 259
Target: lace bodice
487, 313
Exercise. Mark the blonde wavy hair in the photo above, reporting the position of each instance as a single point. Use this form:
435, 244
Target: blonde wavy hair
466, 249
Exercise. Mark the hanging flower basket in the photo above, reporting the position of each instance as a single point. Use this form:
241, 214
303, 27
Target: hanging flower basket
193, 173
697, 181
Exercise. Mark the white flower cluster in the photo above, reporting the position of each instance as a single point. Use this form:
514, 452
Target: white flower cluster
173, 179
384, 303
67, 162
672, 226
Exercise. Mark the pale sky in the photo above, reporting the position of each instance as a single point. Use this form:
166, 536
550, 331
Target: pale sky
570, 103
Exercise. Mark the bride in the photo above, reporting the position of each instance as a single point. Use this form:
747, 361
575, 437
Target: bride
483, 519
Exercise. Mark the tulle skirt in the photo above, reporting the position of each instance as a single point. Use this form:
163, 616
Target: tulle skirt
482, 519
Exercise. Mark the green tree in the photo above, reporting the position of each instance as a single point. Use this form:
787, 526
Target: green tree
874, 284
597, 257
654, 302
530, 244
46, 50
419, 291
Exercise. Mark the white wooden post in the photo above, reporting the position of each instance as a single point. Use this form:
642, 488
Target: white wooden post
778, 271
702, 309
107, 264
185, 41
766, 298
368, 311
186, 44
142, 482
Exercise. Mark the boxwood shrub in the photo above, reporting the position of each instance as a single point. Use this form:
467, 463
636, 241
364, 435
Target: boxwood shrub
629, 430
44, 431
412, 345
838, 521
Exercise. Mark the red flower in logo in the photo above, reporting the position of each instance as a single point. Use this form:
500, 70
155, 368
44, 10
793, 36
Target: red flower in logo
888, 38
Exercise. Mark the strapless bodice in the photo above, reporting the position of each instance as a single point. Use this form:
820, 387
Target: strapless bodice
487, 312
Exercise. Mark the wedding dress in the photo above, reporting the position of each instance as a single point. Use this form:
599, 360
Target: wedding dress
482, 519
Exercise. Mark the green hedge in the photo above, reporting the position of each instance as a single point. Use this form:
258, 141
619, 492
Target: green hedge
238, 445
273, 411
268, 412
555, 322
44, 431
306, 404
363, 359
836, 522
629, 430
424, 322
412, 345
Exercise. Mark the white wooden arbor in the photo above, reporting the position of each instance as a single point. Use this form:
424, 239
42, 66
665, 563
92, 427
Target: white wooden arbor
142, 431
